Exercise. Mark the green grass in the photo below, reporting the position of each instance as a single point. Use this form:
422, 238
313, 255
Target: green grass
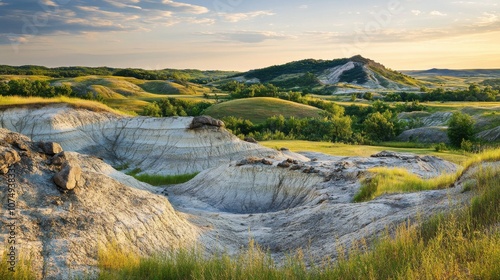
462, 244
161, 180
396, 180
336, 149
259, 109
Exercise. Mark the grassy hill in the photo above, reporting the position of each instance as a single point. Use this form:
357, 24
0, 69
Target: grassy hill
259, 109
322, 74
124, 93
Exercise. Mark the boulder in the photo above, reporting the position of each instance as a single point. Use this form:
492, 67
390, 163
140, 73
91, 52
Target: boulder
8, 156
266, 162
250, 140
202, 121
60, 158
69, 176
284, 164
50, 148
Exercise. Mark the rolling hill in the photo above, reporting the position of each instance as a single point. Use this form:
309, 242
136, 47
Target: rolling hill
259, 109
355, 73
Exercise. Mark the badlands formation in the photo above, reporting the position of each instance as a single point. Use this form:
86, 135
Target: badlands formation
283, 200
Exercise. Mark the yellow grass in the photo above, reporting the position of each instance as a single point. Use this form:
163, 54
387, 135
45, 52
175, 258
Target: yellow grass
336, 149
16, 101
396, 180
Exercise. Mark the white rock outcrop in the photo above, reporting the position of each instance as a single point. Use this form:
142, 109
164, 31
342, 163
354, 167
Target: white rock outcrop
62, 231
156, 145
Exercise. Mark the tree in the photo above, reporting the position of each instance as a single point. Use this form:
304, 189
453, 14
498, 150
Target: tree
460, 128
152, 110
379, 127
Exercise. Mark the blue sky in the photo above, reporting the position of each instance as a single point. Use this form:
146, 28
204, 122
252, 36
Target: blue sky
249, 34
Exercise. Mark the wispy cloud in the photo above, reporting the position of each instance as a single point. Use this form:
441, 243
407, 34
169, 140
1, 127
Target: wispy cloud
437, 13
416, 12
246, 36
236, 17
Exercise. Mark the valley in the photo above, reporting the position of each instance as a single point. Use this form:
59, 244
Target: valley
313, 169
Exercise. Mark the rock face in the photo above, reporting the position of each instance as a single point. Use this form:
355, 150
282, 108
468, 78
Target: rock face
165, 146
62, 231
425, 135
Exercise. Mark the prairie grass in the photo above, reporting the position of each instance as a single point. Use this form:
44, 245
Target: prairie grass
259, 109
22, 270
396, 180
337, 149
462, 244
17, 101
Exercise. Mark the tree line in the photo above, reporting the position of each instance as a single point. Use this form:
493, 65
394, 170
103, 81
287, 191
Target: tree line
40, 88
473, 93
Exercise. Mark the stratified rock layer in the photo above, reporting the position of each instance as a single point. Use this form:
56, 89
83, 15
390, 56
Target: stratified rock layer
61, 231
155, 145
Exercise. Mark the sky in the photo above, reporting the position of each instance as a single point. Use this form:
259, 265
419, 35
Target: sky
248, 34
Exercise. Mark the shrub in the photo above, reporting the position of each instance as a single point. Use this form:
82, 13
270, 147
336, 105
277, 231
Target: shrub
440, 147
460, 127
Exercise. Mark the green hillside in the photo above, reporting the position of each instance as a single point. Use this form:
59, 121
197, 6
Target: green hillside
259, 109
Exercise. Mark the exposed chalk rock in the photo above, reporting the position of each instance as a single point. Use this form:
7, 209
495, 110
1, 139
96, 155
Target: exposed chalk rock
62, 233
164, 146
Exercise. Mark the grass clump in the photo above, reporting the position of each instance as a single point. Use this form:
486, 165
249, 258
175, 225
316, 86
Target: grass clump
160, 180
23, 269
396, 180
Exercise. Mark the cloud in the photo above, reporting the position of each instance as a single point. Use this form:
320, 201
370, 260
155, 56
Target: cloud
186, 8
236, 17
437, 13
48, 17
303, 7
488, 18
416, 12
245, 36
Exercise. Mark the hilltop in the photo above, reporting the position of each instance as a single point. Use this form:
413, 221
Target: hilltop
259, 109
338, 75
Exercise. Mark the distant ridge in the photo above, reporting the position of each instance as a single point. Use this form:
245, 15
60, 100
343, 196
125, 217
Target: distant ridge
356, 72
455, 72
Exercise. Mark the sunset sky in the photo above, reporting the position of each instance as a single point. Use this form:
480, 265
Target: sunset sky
248, 34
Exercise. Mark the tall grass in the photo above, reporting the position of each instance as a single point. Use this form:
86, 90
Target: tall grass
23, 269
396, 180
464, 244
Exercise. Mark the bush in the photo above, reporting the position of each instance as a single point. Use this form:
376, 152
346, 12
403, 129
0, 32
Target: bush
440, 147
460, 127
